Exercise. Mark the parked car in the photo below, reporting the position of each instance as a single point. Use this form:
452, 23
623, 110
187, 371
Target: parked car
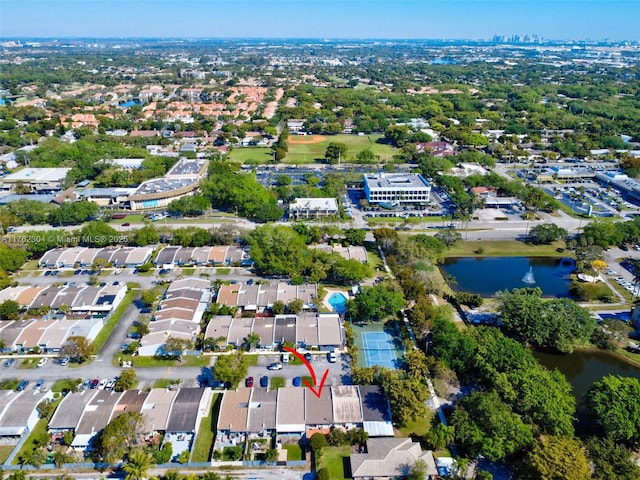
22, 385
86, 384
42, 362
64, 361
297, 381
110, 384
77, 272
54, 273
332, 357
102, 384
47, 273
285, 357
39, 384
248, 382
264, 381
94, 383
307, 357
274, 366
9, 362
126, 224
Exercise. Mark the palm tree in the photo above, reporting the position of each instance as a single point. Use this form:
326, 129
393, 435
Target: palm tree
440, 436
172, 475
139, 462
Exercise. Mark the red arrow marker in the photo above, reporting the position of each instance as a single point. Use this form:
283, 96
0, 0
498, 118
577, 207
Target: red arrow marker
312, 371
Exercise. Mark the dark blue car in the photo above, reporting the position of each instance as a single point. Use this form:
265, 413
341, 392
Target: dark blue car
264, 381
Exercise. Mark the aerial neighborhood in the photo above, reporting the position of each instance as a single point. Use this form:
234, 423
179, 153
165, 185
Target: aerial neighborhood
319, 259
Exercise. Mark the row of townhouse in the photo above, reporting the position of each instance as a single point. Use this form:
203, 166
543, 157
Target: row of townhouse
174, 415
75, 311
296, 412
310, 330
85, 257
262, 296
178, 315
217, 255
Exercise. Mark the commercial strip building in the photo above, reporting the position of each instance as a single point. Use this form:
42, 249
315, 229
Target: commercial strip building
396, 188
313, 207
36, 179
310, 330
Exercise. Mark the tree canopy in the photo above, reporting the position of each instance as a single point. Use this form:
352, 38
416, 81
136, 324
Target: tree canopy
612, 402
557, 323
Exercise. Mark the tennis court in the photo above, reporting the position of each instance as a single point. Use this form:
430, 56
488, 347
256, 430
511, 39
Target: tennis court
379, 349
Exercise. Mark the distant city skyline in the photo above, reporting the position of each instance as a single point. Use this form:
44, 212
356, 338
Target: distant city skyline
398, 19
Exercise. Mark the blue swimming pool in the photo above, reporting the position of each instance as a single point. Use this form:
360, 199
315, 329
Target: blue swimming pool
338, 302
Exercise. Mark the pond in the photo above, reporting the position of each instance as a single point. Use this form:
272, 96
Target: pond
582, 368
488, 275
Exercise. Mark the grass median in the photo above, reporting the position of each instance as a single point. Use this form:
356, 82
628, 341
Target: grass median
207, 432
104, 334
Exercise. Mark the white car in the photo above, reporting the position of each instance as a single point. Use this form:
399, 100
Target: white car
102, 384
110, 384
42, 362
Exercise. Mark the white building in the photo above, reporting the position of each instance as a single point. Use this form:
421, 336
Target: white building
313, 207
37, 179
396, 188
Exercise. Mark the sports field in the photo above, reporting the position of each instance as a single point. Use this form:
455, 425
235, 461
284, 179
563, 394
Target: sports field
307, 149
378, 344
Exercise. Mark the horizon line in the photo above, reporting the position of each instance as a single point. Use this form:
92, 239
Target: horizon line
323, 39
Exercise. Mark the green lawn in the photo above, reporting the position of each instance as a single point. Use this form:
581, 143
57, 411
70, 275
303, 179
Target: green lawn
251, 155
65, 384
419, 427
207, 433
137, 361
5, 451
277, 382
128, 219
102, 337
188, 271
331, 458
223, 271
506, 248
35, 436
294, 452
314, 152
29, 363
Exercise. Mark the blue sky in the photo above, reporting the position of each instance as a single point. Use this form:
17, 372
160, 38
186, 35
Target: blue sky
557, 19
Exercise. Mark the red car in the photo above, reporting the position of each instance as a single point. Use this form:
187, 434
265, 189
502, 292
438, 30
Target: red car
94, 383
248, 382
125, 225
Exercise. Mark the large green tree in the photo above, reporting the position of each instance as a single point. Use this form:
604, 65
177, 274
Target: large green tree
613, 404
120, 434
231, 368
98, 234
485, 425
558, 458
375, 303
278, 250
558, 323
